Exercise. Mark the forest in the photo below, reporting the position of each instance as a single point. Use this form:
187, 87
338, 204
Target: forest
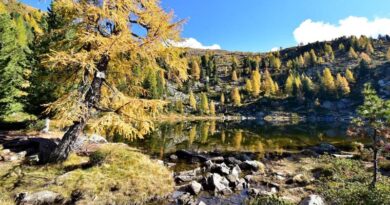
98, 107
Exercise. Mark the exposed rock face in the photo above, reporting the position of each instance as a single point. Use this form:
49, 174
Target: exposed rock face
312, 200
39, 198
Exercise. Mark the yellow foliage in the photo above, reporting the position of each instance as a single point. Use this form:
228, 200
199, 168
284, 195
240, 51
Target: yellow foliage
256, 83
236, 98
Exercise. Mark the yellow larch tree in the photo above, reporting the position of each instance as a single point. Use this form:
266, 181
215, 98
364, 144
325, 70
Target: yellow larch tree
256, 83
95, 48
236, 98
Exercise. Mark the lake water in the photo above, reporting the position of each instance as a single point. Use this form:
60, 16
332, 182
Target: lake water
244, 136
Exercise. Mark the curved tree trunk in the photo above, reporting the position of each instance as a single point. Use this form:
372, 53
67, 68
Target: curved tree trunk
92, 97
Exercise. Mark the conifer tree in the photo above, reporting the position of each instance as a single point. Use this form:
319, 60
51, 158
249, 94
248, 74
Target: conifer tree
268, 84
234, 63
179, 106
256, 83
366, 58
212, 108
234, 76
204, 104
222, 99
349, 76
313, 57
342, 84
328, 48
248, 86
307, 86
328, 81
21, 31
341, 47
161, 83
352, 54
301, 61
369, 48
192, 100
274, 62
289, 85
236, 98
96, 47
195, 70
14, 66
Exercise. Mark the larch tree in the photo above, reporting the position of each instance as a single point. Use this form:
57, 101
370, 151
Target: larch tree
349, 76
234, 76
341, 47
352, 54
256, 83
222, 99
248, 86
342, 84
192, 100
388, 54
328, 81
212, 108
268, 84
99, 44
195, 70
204, 104
369, 48
236, 98
15, 64
289, 85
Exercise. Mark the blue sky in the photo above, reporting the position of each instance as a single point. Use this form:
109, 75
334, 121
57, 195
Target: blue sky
260, 25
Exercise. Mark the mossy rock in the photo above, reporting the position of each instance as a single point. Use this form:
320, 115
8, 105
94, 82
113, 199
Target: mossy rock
122, 176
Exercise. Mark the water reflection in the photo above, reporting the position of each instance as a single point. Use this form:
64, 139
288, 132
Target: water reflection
234, 136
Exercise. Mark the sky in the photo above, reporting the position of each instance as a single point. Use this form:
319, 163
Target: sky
264, 25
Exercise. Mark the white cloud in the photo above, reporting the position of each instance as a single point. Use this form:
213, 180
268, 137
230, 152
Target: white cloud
193, 43
312, 31
275, 49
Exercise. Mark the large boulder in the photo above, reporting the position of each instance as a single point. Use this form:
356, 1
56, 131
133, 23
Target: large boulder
312, 200
218, 184
195, 187
253, 165
39, 198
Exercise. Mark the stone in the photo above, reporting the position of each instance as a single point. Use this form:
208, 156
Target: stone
39, 198
312, 200
187, 176
217, 182
173, 157
209, 164
299, 179
233, 161
184, 199
5, 151
242, 184
195, 187
221, 169
236, 171
22, 154
97, 139
253, 165
217, 159
202, 203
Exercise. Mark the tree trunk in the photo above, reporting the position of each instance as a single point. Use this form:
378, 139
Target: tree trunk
375, 161
92, 97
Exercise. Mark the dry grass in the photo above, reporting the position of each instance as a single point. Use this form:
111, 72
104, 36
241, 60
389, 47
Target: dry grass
125, 176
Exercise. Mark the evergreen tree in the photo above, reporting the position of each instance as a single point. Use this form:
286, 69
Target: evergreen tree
366, 58
301, 61
308, 86
341, 47
15, 65
328, 83
204, 104
152, 86
369, 48
328, 48
179, 107
236, 98
349, 76
195, 70
21, 31
192, 100
234, 76
274, 62
161, 83
352, 54
212, 108
256, 83
313, 57
234, 63
248, 86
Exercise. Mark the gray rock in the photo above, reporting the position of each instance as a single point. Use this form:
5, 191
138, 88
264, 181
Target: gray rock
202, 203
252, 165
39, 198
221, 169
97, 139
22, 154
217, 159
233, 161
218, 183
195, 187
312, 200
5, 151
236, 171
242, 184
173, 157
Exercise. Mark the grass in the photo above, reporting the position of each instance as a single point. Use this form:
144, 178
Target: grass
123, 176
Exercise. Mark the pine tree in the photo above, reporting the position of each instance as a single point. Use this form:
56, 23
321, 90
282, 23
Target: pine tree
369, 48
212, 108
328, 81
236, 98
349, 76
268, 84
204, 104
21, 31
234, 63
152, 86
301, 61
248, 86
256, 83
328, 48
222, 99
14, 67
341, 47
313, 57
352, 54
234, 76
366, 58
192, 100
289, 85
195, 70
274, 62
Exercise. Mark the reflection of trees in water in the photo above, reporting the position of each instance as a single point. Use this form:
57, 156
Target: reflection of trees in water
237, 140
204, 132
223, 136
192, 135
213, 126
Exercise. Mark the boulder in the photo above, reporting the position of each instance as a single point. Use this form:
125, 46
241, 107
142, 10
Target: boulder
236, 171
253, 165
221, 169
312, 200
218, 184
97, 139
39, 198
233, 161
195, 187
